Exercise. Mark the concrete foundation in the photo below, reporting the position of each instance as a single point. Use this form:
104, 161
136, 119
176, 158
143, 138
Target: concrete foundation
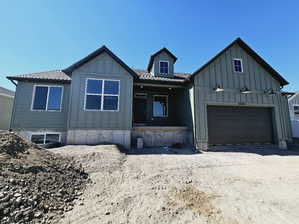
283, 145
156, 136
202, 146
93, 137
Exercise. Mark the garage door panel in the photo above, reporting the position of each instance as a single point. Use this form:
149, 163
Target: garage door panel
237, 125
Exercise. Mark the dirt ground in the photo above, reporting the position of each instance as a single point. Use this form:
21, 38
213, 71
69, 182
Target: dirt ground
226, 187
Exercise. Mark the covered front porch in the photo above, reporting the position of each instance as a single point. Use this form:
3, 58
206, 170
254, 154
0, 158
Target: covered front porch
162, 115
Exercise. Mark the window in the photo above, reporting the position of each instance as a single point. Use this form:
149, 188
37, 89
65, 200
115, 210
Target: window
160, 106
296, 110
102, 95
238, 66
164, 67
47, 98
45, 138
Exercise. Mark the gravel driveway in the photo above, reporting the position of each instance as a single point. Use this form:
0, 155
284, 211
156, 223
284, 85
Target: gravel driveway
229, 187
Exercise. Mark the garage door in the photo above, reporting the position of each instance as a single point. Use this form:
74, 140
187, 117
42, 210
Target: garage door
239, 125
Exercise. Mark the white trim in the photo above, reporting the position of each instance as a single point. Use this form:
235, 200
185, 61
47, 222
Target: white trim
167, 68
48, 86
166, 104
45, 134
238, 59
102, 95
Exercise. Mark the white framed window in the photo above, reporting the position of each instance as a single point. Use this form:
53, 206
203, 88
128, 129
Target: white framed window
164, 67
102, 95
44, 138
238, 65
296, 110
160, 105
47, 98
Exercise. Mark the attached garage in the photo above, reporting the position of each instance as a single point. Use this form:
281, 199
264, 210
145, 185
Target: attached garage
239, 125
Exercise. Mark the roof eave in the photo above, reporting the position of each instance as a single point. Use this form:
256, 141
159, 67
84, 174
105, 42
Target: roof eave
21, 79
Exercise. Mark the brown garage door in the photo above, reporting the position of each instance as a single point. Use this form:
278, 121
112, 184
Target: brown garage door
239, 125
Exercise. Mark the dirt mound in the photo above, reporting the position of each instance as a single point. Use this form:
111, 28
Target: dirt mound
36, 186
12, 144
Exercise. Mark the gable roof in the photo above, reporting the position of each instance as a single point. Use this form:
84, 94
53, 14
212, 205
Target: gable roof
95, 54
6, 92
151, 61
253, 54
57, 76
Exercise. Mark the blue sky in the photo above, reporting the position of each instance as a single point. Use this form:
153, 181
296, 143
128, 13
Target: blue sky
40, 35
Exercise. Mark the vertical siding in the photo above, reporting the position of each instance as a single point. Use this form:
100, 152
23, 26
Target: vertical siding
256, 78
102, 67
24, 118
6, 104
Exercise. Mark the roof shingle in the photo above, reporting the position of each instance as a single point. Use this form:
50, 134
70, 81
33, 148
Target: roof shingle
178, 77
54, 75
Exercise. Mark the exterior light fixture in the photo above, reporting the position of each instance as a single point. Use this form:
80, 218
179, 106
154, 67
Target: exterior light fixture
218, 89
246, 90
270, 92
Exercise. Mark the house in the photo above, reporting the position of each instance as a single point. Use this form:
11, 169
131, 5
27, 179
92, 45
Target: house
294, 112
6, 104
235, 98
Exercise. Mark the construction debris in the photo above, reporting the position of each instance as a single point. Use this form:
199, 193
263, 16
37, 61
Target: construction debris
36, 186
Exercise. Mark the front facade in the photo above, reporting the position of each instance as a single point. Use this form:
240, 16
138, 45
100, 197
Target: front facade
6, 105
233, 99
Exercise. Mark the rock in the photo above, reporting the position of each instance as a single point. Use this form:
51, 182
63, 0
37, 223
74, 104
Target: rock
50, 185
5, 199
17, 195
107, 213
2, 195
38, 215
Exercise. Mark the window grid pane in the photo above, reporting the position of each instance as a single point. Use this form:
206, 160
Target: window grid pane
94, 86
40, 98
93, 102
52, 138
38, 139
110, 103
111, 87
54, 100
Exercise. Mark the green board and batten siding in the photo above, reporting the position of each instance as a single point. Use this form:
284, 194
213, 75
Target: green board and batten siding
255, 77
24, 117
101, 67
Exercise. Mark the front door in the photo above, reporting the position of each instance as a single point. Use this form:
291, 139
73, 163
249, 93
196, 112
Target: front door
140, 109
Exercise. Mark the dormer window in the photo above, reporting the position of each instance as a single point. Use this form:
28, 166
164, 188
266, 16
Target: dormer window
238, 66
164, 67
